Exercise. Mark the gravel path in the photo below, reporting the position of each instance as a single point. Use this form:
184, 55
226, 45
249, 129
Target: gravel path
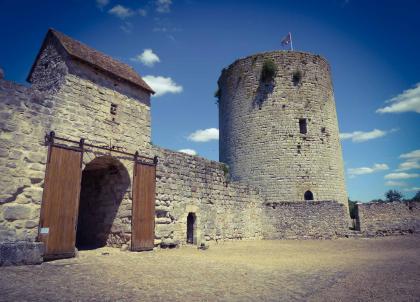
384, 269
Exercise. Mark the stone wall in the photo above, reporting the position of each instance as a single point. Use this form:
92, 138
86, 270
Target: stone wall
388, 218
189, 184
79, 101
74, 105
303, 220
260, 135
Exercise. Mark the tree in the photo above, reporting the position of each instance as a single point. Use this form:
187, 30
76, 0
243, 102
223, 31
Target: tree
416, 197
393, 195
352, 209
377, 200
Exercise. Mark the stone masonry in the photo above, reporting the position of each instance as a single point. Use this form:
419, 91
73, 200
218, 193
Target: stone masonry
300, 220
374, 219
78, 92
259, 121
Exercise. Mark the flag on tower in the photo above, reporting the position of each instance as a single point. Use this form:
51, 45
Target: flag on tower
287, 41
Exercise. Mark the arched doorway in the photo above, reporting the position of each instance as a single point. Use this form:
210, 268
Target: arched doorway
308, 195
191, 226
105, 180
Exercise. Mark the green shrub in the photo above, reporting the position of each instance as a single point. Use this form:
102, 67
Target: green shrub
352, 209
297, 77
268, 71
226, 171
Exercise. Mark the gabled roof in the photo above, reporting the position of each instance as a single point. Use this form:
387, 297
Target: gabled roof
90, 56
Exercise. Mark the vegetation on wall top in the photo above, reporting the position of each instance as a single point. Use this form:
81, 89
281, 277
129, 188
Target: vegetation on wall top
268, 71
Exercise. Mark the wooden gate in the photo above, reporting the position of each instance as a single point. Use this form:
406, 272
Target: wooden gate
60, 202
143, 215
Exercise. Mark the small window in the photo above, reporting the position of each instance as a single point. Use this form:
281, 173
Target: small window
191, 228
113, 110
303, 126
308, 195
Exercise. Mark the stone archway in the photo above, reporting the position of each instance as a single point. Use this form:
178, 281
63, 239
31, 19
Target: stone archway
105, 181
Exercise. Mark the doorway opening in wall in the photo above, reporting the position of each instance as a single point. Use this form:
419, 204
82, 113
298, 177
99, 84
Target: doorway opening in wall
308, 195
105, 181
191, 228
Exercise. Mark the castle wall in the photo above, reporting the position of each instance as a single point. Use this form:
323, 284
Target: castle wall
302, 220
388, 218
189, 184
260, 136
74, 106
24, 116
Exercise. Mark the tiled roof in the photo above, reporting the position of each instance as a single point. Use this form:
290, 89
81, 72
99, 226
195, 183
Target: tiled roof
99, 60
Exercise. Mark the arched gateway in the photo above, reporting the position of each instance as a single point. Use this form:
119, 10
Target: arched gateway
105, 181
100, 188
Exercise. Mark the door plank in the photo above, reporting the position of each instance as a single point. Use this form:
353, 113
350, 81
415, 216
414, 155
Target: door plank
60, 202
143, 211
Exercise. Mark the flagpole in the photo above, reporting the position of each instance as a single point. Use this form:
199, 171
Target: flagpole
291, 42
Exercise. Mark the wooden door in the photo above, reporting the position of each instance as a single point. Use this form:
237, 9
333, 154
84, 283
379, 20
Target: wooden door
60, 202
143, 215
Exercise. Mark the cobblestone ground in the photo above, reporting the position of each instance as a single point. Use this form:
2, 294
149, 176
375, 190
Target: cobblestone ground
385, 269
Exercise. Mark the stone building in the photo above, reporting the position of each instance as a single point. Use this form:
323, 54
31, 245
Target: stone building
280, 133
77, 167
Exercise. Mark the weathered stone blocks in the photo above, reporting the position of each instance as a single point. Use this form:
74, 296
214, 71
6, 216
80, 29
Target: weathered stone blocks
261, 139
376, 219
16, 212
21, 253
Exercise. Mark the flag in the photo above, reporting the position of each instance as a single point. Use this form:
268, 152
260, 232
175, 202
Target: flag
287, 41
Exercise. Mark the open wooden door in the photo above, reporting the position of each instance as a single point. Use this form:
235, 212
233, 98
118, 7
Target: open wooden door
60, 202
143, 215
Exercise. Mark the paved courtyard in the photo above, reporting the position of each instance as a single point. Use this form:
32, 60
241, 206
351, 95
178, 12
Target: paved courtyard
382, 269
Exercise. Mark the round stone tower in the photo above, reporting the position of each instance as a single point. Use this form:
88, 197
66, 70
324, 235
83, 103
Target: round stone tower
278, 126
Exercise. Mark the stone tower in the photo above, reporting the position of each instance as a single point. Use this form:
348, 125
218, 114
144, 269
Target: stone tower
278, 126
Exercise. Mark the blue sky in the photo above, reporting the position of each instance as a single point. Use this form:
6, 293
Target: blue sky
372, 47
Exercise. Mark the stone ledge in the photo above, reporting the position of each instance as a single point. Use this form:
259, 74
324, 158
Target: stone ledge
21, 253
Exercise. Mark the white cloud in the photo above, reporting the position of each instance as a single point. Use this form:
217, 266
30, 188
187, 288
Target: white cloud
162, 85
147, 57
367, 170
204, 135
408, 100
411, 155
188, 151
360, 136
409, 165
163, 6
412, 161
121, 12
413, 189
102, 3
401, 175
392, 183
142, 12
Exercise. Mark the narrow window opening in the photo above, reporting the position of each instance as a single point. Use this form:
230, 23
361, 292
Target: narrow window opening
323, 130
191, 225
114, 108
308, 195
303, 126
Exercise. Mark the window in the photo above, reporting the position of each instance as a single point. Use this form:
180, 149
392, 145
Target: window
303, 126
308, 195
113, 110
